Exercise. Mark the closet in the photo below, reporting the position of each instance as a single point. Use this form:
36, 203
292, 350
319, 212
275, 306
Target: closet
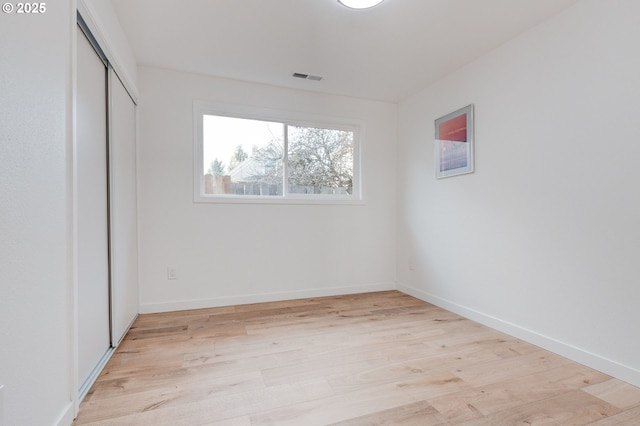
105, 205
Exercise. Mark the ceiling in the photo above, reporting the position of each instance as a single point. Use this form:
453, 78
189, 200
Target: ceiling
384, 53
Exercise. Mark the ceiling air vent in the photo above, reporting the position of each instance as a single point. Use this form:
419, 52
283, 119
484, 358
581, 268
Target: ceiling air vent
307, 76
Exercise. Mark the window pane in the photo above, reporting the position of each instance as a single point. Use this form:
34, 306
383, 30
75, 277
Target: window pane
320, 161
242, 157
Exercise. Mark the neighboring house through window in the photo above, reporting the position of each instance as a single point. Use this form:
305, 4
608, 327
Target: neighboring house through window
251, 155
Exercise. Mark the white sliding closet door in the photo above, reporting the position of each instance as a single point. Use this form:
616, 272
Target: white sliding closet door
92, 211
124, 242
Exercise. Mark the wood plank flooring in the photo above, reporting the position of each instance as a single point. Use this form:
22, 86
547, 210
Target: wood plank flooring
369, 359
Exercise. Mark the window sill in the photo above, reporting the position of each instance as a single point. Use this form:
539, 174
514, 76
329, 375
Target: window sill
221, 199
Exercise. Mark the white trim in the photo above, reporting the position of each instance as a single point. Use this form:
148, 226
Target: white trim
138, 208
183, 305
2, 422
66, 416
72, 186
291, 199
595, 361
202, 107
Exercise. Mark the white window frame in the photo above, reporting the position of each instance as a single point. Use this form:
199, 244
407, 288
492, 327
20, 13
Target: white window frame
202, 108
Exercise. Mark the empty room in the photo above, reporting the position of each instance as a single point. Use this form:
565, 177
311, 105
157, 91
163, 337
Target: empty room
315, 212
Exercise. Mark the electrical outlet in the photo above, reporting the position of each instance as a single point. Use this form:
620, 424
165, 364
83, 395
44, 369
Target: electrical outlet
171, 273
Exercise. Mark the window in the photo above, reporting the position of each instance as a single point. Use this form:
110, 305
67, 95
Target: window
255, 155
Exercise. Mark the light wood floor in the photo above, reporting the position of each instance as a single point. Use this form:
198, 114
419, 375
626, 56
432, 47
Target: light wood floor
369, 359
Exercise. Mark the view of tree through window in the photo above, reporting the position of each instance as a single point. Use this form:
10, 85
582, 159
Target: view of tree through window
320, 161
249, 157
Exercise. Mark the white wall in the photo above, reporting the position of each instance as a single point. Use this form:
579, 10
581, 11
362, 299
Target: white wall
237, 253
35, 215
543, 241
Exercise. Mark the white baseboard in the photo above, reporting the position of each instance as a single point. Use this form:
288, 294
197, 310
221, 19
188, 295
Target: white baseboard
183, 305
597, 362
66, 417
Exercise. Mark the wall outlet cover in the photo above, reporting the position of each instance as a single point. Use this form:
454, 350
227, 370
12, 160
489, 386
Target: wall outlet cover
171, 274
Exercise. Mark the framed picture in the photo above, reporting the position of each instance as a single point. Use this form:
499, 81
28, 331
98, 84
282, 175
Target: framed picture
454, 143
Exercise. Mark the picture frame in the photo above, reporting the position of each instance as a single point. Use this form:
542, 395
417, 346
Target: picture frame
454, 143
